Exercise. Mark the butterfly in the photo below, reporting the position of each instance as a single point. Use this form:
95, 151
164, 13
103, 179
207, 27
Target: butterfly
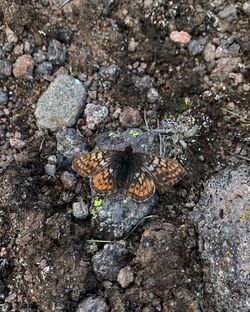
133, 173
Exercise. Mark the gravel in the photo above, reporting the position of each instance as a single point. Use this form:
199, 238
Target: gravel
96, 304
56, 52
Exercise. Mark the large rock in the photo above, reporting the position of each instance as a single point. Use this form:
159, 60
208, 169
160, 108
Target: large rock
222, 219
61, 104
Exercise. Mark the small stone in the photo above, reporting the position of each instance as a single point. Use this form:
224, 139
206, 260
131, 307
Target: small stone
125, 276
224, 66
229, 13
3, 97
97, 304
132, 45
70, 143
52, 160
5, 67
56, 52
130, 117
117, 113
17, 143
61, 104
40, 56
23, 67
108, 262
68, 180
111, 72
44, 69
50, 170
180, 37
18, 49
153, 95
143, 83
80, 210
195, 47
209, 52
11, 37
221, 52
246, 8
95, 115
246, 87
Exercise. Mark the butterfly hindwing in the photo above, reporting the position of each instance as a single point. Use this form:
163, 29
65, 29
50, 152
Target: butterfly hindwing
89, 163
164, 171
103, 182
140, 186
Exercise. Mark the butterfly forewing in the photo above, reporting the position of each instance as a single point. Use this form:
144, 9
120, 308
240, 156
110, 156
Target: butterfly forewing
89, 163
163, 171
140, 186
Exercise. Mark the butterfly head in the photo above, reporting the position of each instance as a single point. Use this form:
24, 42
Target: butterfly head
129, 149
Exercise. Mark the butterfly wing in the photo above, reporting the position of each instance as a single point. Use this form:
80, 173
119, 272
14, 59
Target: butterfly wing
163, 171
88, 164
140, 186
103, 181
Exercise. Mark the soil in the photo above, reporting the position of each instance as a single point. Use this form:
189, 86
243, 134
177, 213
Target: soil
45, 257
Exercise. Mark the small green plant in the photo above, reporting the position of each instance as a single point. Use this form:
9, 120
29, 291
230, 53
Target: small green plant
97, 202
188, 104
134, 133
111, 134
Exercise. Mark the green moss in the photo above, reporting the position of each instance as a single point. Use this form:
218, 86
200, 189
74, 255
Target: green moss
188, 104
134, 133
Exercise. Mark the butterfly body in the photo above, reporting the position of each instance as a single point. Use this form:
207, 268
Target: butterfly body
133, 173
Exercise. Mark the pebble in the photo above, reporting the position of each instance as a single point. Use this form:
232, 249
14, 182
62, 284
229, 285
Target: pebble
108, 262
96, 304
40, 56
209, 52
80, 210
3, 97
132, 45
130, 117
68, 180
17, 143
224, 66
52, 159
95, 115
56, 52
125, 276
180, 37
229, 13
23, 67
153, 95
111, 72
143, 83
50, 170
11, 37
70, 143
195, 47
5, 67
18, 49
61, 104
44, 69
246, 8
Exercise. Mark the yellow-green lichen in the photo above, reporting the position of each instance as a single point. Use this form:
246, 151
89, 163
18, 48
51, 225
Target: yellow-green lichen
134, 133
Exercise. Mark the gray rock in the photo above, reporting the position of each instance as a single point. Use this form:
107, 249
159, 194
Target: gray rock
56, 52
221, 217
3, 97
195, 47
50, 169
143, 83
68, 180
70, 143
246, 8
153, 95
61, 104
111, 72
44, 69
229, 13
5, 67
80, 210
108, 262
97, 304
95, 115
40, 56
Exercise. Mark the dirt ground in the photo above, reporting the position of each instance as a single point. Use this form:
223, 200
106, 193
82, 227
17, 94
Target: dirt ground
47, 262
